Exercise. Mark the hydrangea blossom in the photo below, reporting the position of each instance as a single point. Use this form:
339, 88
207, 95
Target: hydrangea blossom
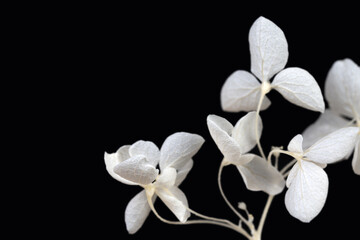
243, 91
342, 91
235, 143
307, 181
136, 165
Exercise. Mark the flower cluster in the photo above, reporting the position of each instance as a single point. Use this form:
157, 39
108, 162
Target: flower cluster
331, 138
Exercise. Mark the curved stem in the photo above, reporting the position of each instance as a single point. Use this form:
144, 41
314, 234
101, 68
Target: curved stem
264, 215
227, 201
256, 125
287, 166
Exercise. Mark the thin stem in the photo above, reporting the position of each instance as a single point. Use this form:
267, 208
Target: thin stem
227, 201
256, 125
290, 164
264, 214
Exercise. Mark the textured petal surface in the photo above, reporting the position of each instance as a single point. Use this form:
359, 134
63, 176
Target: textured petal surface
178, 149
268, 49
147, 149
244, 132
137, 211
183, 172
295, 144
334, 146
300, 88
241, 92
175, 200
328, 122
167, 177
219, 130
137, 169
307, 193
259, 175
112, 159
356, 158
342, 88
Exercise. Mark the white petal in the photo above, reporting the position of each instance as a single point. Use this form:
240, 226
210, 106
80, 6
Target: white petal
175, 200
259, 175
220, 132
147, 149
244, 132
241, 92
268, 49
327, 122
137, 211
112, 159
356, 158
178, 149
300, 88
334, 146
342, 88
167, 177
308, 188
295, 144
137, 169
183, 172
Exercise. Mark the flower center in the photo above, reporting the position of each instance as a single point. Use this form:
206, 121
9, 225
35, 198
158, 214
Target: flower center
265, 87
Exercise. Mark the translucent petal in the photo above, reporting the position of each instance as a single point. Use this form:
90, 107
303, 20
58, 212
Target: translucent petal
295, 144
334, 146
241, 92
220, 132
307, 193
147, 149
137, 169
244, 132
112, 159
178, 149
268, 49
342, 88
328, 122
175, 200
167, 177
137, 211
300, 88
356, 158
259, 175
183, 172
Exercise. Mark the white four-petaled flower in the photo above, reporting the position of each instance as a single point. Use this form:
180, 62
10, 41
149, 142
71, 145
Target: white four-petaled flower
307, 181
269, 55
342, 91
136, 165
235, 143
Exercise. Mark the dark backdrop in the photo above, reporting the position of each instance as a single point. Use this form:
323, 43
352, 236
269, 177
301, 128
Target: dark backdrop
145, 72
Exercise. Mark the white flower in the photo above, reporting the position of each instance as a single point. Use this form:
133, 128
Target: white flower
342, 91
235, 142
136, 165
269, 55
307, 182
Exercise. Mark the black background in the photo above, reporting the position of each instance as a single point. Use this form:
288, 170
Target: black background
118, 74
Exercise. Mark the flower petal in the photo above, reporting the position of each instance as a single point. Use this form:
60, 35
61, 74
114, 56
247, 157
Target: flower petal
342, 88
300, 88
220, 131
334, 146
183, 172
147, 149
307, 193
259, 175
137, 169
244, 132
356, 158
268, 49
167, 177
175, 200
295, 144
112, 159
137, 211
241, 92
178, 149
328, 122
